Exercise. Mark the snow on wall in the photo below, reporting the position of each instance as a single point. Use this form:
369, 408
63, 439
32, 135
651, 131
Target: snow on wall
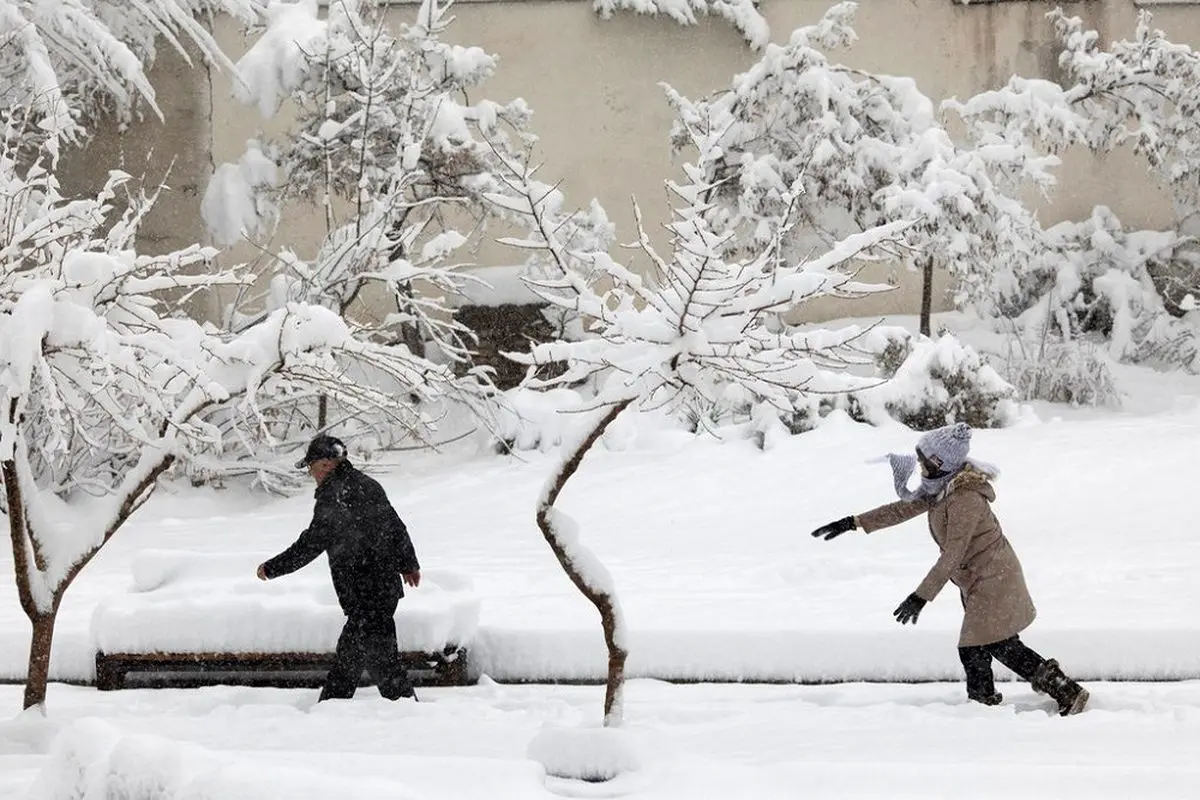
91, 760
189, 603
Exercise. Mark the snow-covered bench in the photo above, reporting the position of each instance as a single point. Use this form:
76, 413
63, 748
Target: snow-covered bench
206, 618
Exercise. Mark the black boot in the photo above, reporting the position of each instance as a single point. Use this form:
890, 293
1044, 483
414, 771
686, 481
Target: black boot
993, 699
1070, 696
981, 686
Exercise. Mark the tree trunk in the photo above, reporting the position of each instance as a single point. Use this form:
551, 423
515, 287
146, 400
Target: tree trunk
603, 601
39, 659
926, 296
322, 412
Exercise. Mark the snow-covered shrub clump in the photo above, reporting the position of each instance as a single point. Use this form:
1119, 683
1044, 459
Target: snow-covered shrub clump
1077, 373
1100, 284
934, 382
529, 420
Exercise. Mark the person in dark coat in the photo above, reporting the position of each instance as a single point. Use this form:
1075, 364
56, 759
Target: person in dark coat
370, 559
956, 492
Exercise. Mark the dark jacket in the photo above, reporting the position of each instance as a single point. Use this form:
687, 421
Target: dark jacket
366, 542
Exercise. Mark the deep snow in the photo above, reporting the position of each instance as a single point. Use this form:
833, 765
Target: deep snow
708, 544
708, 741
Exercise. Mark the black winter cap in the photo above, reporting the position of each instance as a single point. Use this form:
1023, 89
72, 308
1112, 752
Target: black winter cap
322, 447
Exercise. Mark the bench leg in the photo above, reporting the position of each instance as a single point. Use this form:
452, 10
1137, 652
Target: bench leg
452, 669
110, 676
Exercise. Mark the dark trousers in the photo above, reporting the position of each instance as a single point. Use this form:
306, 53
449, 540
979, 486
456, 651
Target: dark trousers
367, 642
1012, 653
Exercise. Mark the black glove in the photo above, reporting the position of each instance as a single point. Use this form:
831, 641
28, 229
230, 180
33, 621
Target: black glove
909, 610
835, 529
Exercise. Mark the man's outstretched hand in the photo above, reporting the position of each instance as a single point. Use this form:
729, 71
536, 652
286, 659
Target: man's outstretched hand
262, 572
413, 578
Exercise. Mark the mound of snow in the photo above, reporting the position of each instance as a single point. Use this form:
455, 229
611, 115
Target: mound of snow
192, 603
588, 753
91, 760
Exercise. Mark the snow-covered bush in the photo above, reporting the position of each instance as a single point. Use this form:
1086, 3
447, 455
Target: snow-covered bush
1128, 286
868, 149
929, 383
532, 420
1077, 372
1101, 283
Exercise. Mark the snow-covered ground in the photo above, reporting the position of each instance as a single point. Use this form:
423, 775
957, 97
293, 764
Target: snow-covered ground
708, 741
708, 544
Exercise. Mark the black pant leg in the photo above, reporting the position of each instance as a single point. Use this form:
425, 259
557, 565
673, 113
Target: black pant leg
383, 658
342, 680
977, 663
1017, 656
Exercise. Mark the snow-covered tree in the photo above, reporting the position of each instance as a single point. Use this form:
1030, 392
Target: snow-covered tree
105, 384
743, 14
65, 61
704, 326
868, 149
1135, 287
399, 162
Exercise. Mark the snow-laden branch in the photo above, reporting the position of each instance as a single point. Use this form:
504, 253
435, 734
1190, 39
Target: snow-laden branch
66, 60
742, 14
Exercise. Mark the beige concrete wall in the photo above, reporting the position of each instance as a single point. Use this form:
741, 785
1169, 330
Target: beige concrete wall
603, 122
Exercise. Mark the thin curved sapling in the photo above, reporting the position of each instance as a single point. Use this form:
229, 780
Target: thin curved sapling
704, 325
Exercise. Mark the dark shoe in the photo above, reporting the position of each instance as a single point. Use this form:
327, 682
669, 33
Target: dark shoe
993, 699
1070, 696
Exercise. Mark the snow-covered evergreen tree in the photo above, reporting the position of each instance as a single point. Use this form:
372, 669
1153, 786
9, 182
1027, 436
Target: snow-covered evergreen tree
1133, 288
705, 326
868, 149
105, 382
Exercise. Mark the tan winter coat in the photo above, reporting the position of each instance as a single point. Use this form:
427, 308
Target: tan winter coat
976, 557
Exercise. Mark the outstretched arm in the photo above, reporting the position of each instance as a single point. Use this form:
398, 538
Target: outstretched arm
886, 516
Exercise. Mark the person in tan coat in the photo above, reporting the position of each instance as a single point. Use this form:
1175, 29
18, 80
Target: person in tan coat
956, 493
